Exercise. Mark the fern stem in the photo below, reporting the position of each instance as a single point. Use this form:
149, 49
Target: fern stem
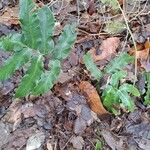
132, 37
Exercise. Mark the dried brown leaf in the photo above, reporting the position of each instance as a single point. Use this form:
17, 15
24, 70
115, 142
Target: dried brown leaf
108, 48
10, 16
147, 44
143, 55
93, 98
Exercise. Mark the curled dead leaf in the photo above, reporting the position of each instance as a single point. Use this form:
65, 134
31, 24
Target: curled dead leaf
93, 98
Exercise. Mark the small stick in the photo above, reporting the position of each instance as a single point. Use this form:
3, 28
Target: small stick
134, 43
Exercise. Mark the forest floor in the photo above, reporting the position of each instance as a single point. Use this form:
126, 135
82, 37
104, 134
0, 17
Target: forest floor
62, 118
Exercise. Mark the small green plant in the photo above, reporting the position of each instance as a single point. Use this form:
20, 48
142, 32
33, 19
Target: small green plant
114, 27
90, 65
115, 96
99, 145
30, 47
147, 97
111, 3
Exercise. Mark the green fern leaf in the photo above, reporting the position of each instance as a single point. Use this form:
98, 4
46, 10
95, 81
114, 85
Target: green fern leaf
47, 21
29, 24
126, 100
119, 62
47, 79
130, 89
114, 27
65, 42
147, 97
99, 145
90, 65
147, 76
110, 98
30, 79
14, 63
111, 3
116, 77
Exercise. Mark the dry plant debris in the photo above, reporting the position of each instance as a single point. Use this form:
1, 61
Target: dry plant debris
108, 48
92, 98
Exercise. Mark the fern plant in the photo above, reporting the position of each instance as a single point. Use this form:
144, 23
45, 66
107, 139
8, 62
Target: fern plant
114, 27
147, 96
111, 3
30, 47
119, 95
114, 96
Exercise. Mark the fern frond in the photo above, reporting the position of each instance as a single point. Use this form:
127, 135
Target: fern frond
130, 89
111, 3
114, 27
116, 77
90, 65
110, 98
126, 100
119, 62
147, 97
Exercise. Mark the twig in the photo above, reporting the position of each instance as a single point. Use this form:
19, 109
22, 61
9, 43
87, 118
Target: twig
139, 13
67, 143
92, 34
132, 37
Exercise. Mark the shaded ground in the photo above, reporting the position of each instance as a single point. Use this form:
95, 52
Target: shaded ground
62, 119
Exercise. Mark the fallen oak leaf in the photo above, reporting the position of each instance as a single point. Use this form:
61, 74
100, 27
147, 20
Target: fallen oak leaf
146, 65
147, 44
10, 16
142, 54
93, 98
108, 48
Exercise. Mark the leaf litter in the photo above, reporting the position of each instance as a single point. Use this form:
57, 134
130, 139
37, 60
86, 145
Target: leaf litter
67, 111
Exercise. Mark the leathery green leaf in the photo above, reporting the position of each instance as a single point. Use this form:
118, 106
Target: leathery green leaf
47, 79
13, 63
29, 24
12, 43
65, 42
32, 75
47, 21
